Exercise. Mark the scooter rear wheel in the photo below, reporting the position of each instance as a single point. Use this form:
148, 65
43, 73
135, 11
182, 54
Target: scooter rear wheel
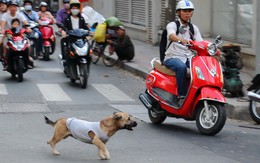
254, 108
154, 117
216, 121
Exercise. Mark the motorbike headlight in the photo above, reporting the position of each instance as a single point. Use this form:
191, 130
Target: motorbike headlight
199, 73
44, 22
81, 51
19, 45
212, 49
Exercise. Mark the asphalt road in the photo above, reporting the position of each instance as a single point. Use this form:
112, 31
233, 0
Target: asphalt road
46, 91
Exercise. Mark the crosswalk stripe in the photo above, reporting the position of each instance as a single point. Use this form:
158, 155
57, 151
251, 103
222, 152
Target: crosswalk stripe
53, 92
3, 90
111, 92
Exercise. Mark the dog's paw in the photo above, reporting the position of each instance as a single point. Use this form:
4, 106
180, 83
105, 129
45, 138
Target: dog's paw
104, 155
56, 153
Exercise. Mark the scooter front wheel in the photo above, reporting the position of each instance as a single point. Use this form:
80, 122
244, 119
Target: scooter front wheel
212, 123
254, 108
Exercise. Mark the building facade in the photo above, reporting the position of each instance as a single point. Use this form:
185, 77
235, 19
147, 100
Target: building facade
237, 21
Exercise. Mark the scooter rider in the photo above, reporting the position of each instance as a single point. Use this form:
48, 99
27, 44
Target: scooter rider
74, 20
177, 56
31, 15
43, 13
3, 9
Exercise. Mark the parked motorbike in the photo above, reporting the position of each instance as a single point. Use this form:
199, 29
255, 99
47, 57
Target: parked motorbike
254, 96
18, 51
33, 37
78, 59
48, 37
204, 101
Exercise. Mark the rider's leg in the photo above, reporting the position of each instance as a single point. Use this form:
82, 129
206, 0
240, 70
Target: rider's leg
39, 42
180, 69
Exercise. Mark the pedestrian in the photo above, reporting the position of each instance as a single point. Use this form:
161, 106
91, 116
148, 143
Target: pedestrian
177, 56
122, 45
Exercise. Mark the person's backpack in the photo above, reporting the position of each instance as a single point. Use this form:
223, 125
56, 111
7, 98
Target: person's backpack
163, 42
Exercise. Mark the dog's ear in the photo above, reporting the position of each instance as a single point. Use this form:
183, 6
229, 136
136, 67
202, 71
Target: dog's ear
117, 117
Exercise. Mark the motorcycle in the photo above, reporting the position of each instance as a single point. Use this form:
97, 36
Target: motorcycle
18, 51
33, 37
204, 101
78, 59
48, 37
254, 96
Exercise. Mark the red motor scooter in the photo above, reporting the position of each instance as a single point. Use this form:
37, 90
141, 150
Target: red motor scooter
18, 52
48, 37
204, 101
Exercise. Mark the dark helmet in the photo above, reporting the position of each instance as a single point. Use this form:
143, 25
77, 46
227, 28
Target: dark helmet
4, 1
13, 2
27, 1
66, 1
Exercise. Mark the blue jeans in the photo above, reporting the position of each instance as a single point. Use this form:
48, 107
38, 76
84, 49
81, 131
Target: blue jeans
180, 68
39, 41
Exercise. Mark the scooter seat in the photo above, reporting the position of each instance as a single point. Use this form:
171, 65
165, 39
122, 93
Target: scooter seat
158, 65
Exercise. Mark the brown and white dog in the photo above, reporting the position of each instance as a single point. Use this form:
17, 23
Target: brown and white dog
96, 133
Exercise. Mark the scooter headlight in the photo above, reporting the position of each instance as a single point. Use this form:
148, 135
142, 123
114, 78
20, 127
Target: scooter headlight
212, 49
81, 51
19, 45
199, 73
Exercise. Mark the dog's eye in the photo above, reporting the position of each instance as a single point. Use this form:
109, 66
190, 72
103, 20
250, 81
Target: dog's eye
129, 118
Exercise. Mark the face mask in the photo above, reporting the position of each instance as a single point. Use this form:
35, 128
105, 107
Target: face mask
66, 5
28, 7
74, 11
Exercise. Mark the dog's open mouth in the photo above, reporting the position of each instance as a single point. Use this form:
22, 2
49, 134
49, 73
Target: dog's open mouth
130, 126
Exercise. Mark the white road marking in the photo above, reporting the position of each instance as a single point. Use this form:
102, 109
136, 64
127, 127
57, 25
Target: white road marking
47, 69
53, 92
111, 92
3, 90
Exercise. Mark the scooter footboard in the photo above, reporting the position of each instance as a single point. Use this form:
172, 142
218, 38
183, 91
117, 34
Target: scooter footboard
212, 94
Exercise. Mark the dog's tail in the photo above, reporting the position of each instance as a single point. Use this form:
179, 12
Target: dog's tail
48, 121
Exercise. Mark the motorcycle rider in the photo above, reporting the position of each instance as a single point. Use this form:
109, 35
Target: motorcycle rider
74, 20
44, 13
31, 15
7, 18
62, 14
3, 9
177, 56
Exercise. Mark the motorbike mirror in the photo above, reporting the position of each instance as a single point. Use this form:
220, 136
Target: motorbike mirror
218, 37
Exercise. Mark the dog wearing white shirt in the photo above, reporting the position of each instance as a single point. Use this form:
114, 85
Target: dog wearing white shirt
96, 133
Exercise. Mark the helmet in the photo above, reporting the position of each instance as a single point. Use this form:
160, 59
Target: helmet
184, 4
4, 1
13, 2
27, 1
43, 4
66, 1
74, 3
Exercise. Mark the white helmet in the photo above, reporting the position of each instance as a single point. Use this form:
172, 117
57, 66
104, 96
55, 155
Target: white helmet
184, 4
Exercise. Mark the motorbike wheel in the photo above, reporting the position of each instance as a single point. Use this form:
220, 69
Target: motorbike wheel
83, 78
96, 52
20, 68
32, 52
154, 117
110, 59
46, 53
254, 108
217, 118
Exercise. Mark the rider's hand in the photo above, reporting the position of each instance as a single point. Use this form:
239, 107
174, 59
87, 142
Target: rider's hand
109, 41
28, 30
185, 42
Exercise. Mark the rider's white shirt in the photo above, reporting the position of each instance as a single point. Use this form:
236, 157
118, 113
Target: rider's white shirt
75, 22
8, 18
177, 50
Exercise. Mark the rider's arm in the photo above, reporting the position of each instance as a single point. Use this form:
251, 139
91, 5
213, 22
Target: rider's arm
171, 30
3, 26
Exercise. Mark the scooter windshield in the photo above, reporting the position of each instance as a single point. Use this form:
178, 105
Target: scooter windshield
78, 33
